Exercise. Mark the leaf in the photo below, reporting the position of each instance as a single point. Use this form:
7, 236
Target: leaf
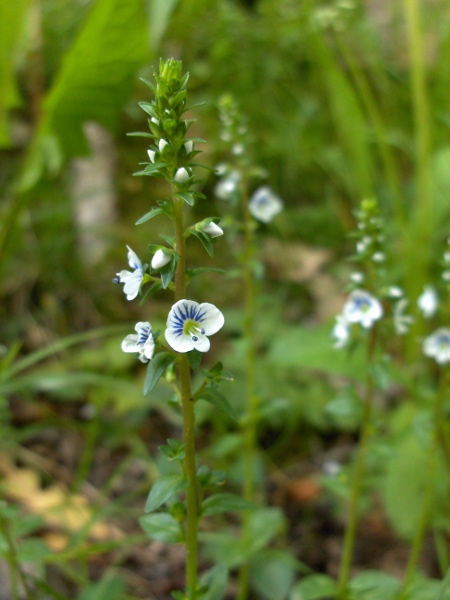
97, 73
314, 587
167, 273
110, 587
371, 585
264, 524
150, 215
159, 17
195, 358
215, 581
164, 488
219, 503
155, 369
162, 527
217, 399
188, 197
191, 273
205, 240
272, 573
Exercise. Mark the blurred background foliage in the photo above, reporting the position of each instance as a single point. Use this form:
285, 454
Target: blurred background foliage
345, 99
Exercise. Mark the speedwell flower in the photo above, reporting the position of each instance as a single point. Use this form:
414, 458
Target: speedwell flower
363, 308
341, 332
402, 322
428, 302
189, 323
265, 204
133, 280
437, 345
141, 342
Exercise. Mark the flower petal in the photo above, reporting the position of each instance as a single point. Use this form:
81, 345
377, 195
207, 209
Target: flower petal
130, 344
180, 342
202, 343
212, 319
133, 259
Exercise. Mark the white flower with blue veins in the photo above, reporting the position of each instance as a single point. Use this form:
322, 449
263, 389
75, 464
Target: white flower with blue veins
437, 345
189, 323
264, 204
363, 308
132, 280
141, 342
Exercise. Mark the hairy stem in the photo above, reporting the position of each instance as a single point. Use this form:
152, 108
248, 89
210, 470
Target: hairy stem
187, 408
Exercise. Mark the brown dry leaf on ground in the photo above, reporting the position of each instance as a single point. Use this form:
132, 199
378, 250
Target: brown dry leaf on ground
62, 511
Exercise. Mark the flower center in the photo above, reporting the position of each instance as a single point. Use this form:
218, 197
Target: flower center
191, 328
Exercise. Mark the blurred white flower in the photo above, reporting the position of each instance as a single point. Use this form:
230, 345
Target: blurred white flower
402, 322
340, 332
437, 345
363, 308
227, 187
265, 204
132, 280
428, 302
141, 342
189, 323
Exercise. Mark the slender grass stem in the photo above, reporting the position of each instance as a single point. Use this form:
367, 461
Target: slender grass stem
366, 426
187, 408
249, 425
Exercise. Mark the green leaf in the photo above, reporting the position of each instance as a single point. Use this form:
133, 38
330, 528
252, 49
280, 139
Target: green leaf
150, 215
156, 368
217, 399
159, 18
167, 273
188, 197
264, 524
191, 273
97, 73
162, 527
272, 573
164, 488
219, 503
314, 587
215, 582
195, 358
205, 240
371, 585
110, 587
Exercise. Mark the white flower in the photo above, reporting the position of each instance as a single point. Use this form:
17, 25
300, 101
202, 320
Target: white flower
357, 277
437, 345
228, 186
189, 146
141, 342
189, 324
182, 175
402, 322
162, 144
151, 155
213, 230
379, 257
394, 291
237, 149
133, 280
428, 302
363, 308
160, 259
265, 204
341, 332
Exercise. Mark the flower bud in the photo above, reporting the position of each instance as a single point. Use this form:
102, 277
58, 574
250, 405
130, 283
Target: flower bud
213, 230
182, 175
151, 155
160, 259
162, 144
189, 146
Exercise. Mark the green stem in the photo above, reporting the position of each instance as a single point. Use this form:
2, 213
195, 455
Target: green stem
187, 408
424, 206
249, 424
15, 568
350, 533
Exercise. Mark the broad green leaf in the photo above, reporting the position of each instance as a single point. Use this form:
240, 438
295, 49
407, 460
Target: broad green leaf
155, 369
314, 587
205, 240
217, 399
163, 489
162, 527
215, 581
97, 73
264, 525
195, 358
110, 587
272, 573
219, 503
371, 585
188, 197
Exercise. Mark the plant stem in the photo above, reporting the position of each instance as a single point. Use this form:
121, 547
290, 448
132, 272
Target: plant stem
249, 424
15, 567
187, 408
350, 533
